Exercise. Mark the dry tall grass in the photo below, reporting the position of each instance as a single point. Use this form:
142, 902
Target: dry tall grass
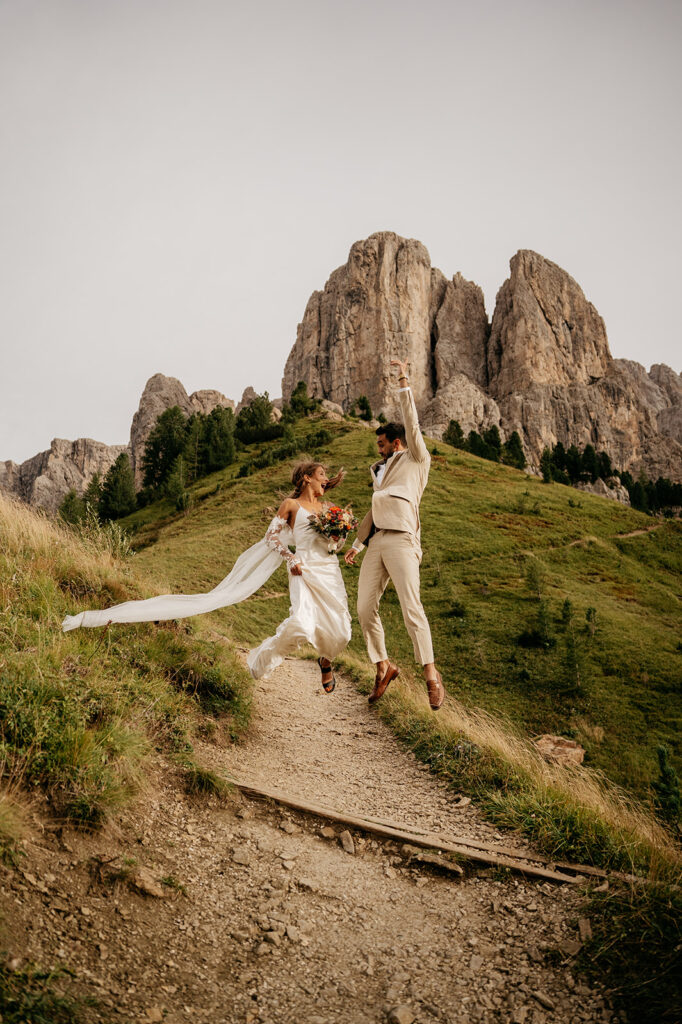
78, 711
576, 790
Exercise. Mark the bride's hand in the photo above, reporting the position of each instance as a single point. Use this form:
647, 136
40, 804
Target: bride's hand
296, 569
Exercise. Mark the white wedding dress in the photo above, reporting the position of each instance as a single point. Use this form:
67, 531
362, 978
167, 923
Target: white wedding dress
319, 607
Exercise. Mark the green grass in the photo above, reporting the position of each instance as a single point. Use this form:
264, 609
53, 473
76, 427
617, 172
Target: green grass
79, 712
503, 553
30, 995
637, 947
481, 524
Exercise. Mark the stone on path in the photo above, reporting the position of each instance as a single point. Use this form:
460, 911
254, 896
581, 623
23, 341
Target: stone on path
346, 840
544, 1000
146, 884
241, 855
402, 1014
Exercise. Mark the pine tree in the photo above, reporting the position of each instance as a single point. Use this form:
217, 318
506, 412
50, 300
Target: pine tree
364, 408
492, 439
93, 492
254, 422
454, 435
165, 442
559, 456
219, 449
175, 486
118, 490
72, 508
194, 452
573, 463
546, 466
605, 469
300, 403
513, 453
589, 465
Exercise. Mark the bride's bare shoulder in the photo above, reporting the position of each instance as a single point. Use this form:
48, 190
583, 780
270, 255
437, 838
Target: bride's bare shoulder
287, 508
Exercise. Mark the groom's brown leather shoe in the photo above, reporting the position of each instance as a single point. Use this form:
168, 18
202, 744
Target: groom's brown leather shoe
436, 692
380, 684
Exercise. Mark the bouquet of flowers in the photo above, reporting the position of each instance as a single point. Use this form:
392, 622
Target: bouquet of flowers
334, 523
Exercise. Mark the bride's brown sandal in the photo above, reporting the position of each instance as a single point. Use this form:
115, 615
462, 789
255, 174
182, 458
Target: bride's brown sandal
330, 685
436, 692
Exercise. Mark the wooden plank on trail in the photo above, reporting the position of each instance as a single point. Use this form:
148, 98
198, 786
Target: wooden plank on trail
525, 864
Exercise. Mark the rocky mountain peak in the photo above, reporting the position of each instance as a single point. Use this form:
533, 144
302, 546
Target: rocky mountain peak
46, 478
543, 367
161, 393
544, 331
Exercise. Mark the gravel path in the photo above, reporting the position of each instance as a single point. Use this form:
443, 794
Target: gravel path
334, 750
191, 911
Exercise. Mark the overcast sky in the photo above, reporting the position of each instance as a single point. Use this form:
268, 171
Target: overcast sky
177, 176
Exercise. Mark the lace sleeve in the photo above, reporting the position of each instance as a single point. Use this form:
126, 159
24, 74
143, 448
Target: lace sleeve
273, 539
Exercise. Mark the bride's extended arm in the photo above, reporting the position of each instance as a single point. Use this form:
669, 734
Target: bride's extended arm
273, 537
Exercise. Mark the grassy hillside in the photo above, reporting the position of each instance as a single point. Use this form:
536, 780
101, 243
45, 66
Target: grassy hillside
555, 609
551, 610
79, 712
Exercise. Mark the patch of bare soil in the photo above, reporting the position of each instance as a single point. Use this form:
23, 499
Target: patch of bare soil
265, 916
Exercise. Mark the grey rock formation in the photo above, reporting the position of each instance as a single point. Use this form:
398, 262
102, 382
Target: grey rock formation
461, 330
379, 306
247, 398
612, 489
459, 399
161, 393
544, 331
543, 367
552, 375
46, 478
669, 419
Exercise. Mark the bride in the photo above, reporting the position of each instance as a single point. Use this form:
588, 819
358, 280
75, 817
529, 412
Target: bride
319, 607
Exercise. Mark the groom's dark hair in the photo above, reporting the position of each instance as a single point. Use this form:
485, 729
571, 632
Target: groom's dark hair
392, 431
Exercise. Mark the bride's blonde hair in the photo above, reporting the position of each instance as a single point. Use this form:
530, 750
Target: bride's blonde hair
304, 469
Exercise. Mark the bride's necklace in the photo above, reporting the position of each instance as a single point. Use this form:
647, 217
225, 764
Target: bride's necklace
317, 506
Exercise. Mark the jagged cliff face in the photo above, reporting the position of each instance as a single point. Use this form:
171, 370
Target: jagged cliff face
376, 308
543, 367
161, 393
45, 479
553, 377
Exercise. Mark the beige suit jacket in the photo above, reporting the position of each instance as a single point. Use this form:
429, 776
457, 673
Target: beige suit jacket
395, 502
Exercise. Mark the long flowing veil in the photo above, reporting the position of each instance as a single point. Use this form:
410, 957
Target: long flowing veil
250, 572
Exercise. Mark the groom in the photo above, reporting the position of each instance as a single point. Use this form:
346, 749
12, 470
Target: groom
391, 529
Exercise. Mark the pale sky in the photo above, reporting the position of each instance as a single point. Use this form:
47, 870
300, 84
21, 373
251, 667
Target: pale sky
177, 176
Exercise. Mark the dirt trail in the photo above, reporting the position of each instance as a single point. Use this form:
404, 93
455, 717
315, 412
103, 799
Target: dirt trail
334, 750
278, 923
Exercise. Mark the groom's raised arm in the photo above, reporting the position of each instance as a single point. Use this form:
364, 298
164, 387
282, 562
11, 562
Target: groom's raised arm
413, 435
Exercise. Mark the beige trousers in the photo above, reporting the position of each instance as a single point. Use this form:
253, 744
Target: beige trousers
395, 555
